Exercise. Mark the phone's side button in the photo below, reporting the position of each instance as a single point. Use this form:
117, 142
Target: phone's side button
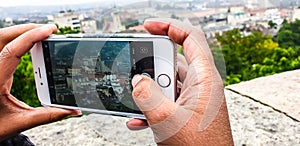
164, 80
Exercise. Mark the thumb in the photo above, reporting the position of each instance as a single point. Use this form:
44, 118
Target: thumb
44, 115
164, 117
151, 100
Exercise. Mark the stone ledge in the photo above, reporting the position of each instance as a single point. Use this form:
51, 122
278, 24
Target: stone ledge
254, 124
279, 91
252, 116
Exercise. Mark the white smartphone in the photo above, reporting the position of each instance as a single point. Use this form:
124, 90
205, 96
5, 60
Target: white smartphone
94, 73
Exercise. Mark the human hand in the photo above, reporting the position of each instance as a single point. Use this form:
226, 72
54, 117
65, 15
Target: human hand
16, 116
199, 116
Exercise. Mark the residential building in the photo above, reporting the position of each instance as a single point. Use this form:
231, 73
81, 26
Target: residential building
8, 22
88, 25
295, 14
67, 18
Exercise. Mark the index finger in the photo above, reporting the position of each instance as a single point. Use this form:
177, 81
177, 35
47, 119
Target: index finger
8, 34
13, 51
192, 39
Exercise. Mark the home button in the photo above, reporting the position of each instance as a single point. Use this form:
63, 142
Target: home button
164, 80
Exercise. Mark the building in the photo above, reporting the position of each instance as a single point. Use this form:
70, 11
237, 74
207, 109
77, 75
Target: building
117, 21
254, 4
236, 15
273, 15
88, 25
113, 22
67, 18
295, 14
8, 22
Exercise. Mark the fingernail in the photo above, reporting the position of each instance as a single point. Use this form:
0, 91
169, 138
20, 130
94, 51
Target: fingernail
76, 113
136, 79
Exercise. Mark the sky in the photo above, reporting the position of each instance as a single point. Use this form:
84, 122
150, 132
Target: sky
8, 3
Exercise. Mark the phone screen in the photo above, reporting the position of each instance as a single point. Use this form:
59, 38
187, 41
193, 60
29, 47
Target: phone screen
96, 74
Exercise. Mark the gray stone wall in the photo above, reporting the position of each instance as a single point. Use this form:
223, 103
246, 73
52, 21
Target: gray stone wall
263, 111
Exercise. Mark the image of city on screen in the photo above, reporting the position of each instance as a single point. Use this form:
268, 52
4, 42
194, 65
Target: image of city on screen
96, 74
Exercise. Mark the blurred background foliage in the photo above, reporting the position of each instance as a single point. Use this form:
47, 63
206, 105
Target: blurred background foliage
247, 56
66, 30
23, 85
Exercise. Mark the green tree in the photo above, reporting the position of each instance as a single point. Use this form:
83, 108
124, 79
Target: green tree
129, 22
173, 16
289, 34
284, 21
1, 23
280, 60
241, 52
23, 85
272, 24
66, 30
219, 59
17, 22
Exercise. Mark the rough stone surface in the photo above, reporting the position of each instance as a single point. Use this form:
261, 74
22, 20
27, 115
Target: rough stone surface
253, 122
90, 130
280, 91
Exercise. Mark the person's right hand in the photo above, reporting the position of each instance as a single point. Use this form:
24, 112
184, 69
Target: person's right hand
199, 116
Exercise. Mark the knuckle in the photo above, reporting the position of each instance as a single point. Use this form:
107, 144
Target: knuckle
50, 115
6, 52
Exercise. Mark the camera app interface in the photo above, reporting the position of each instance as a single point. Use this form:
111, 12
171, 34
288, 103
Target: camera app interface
96, 74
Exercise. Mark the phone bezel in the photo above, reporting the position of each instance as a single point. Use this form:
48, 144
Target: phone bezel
164, 63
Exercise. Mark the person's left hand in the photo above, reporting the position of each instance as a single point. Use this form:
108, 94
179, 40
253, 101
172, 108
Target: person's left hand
16, 116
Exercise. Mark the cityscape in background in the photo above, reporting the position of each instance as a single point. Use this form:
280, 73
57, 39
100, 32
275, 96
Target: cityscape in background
111, 16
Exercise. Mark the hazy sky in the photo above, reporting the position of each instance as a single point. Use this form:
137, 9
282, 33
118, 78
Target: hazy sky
6, 3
